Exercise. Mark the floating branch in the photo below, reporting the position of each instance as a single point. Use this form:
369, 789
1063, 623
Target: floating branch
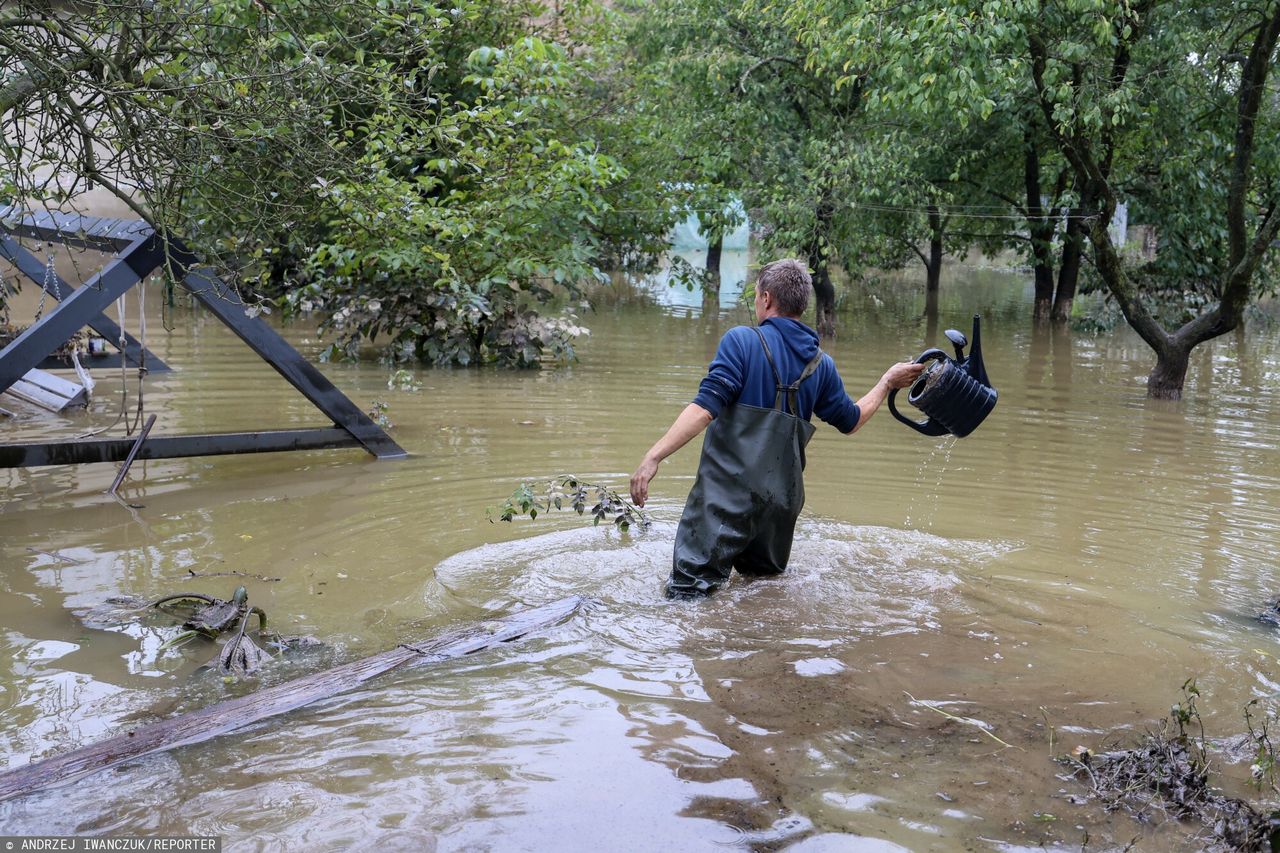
569, 491
234, 714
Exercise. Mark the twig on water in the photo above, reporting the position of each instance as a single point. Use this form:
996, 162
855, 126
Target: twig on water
969, 721
56, 556
194, 574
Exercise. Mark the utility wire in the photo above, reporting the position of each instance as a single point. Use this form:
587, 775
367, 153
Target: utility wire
957, 212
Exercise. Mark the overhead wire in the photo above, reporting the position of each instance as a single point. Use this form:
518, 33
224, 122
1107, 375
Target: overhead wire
957, 211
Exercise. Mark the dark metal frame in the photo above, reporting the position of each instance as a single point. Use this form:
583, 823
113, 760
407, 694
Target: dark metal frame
139, 252
34, 269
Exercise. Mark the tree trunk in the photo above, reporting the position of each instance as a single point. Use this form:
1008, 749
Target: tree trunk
711, 277
1172, 351
711, 281
933, 266
1040, 228
1069, 272
824, 298
1167, 377
823, 291
1043, 268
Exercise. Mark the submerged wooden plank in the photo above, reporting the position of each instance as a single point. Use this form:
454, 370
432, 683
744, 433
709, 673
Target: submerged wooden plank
56, 384
48, 391
224, 717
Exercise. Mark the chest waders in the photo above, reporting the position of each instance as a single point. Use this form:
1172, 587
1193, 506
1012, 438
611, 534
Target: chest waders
742, 510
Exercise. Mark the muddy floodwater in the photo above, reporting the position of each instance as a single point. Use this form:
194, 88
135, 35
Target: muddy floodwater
1064, 569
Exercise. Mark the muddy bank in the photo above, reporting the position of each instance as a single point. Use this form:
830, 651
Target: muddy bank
816, 731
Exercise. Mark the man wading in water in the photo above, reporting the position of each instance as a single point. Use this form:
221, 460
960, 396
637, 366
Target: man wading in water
749, 491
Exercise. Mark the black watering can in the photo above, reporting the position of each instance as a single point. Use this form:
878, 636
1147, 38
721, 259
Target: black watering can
954, 392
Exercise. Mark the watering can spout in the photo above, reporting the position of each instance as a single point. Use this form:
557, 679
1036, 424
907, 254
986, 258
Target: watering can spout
977, 369
954, 392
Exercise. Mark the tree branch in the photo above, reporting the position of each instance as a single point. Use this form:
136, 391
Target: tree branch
742, 81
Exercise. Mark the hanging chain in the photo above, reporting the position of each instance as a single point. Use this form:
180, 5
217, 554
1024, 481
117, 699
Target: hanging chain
5, 293
50, 277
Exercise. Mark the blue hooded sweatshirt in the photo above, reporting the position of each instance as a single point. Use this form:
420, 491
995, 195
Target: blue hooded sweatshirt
740, 373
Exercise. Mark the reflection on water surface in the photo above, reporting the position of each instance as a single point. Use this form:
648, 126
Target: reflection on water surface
1084, 552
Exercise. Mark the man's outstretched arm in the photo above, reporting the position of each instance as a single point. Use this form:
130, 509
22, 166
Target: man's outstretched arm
899, 376
690, 422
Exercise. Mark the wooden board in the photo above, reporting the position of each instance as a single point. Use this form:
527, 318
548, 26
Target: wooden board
224, 717
48, 391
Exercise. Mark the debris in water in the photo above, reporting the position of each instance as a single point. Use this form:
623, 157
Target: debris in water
1271, 614
241, 655
1169, 771
192, 573
207, 617
232, 714
57, 556
213, 616
115, 611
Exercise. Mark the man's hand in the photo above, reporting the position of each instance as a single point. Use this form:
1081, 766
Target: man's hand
897, 377
902, 374
640, 481
690, 422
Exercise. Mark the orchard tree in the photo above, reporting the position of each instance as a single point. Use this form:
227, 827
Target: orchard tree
976, 136
1160, 101
1018, 194
1205, 71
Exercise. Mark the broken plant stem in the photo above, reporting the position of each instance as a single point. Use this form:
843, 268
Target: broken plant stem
966, 720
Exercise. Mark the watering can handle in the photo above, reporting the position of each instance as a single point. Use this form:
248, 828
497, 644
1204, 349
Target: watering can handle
925, 426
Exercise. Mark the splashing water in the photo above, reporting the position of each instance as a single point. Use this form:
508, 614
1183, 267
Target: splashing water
929, 508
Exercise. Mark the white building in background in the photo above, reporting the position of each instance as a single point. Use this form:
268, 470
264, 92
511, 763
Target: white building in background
688, 234
1119, 228
688, 252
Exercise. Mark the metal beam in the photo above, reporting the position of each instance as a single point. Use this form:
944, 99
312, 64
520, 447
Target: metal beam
172, 446
141, 252
30, 266
227, 306
56, 327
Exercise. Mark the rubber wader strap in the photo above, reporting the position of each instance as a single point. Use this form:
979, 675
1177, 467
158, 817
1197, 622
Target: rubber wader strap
791, 391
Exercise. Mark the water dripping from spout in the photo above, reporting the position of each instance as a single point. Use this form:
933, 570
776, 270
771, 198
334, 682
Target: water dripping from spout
929, 504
